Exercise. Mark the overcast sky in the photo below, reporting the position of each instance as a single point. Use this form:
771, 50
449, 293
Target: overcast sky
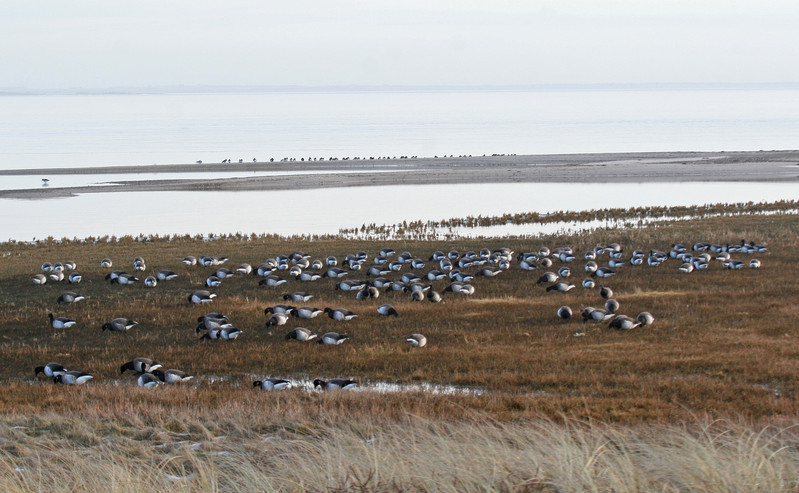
100, 44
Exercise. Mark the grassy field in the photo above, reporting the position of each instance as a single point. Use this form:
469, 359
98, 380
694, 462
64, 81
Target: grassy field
541, 403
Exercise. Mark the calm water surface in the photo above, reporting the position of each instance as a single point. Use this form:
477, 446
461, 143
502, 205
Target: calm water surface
325, 211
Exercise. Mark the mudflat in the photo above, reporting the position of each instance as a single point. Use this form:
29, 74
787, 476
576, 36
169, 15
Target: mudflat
746, 166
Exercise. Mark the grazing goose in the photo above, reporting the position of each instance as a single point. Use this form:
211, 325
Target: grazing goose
272, 384
50, 369
57, 276
148, 380
211, 323
623, 322
278, 319
645, 318
202, 296
334, 384
47, 267
544, 251
547, 277
60, 322
74, 278
106, 263
335, 272
604, 272
754, 264
367, 292
308, 277
166, 275
387, 252
189, 260
39, 279
213, 281
564, 272
331, 261
58, 267
340, 313
545, 262
527, 265
271, 281
565, 313
417, 295
588, 283
150, 281
172, 376
732, 264
244, 269
295, 271
595, 314
611, 305
300, 334
434, 296
306, 312
72, 378
278, 309
124, 279
488, 272
332, 338
605, 292
120, 324
615, 263
560, 286
265, 269
226, 333
387, 310
317, 265
416, 340
140, 365
686, 268
350, 285
298, 297
459, 287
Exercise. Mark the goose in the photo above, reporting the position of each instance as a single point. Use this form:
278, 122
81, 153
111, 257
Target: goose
72, 378
150, 281
547, 277
298, 297
434, 296
435, 275
278, 319
488, 272
295, 271
604, 272
335, 272
416, 340
395, 266
278, 309
367, 292
265, 269
387, 310
308, 277
271, 281
460, 287
588, 283
106, 263
566, 257
350, 285
387, 252
611, 305
50, 369
636, 260
39, 279
224, 273
124, 279
139, 266
334, 384
410, 278
605, 292
202, 296
623, 322
591, 266
244, 269
47, 267
590, 255
317, 265
57, 276
212, 315
332, 338
306, 312
645, 318
331, 261
148, 380
340, 313
60, 322
140, 365
405, 257
380, 282
615, 263
417, 295
58, 267
417, 286
189, 260
560, 286
754, 264
733, 264
596, 314
564, 272
300, 334
210, 323
437, 255
686, 268
565, 312
545, 263
166, 275
417, 264
74, 278
445, 264
227, 333
272, 384
172, 376
527, 265
120, 324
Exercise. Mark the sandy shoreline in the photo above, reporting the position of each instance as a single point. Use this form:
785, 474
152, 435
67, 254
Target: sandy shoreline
755, 166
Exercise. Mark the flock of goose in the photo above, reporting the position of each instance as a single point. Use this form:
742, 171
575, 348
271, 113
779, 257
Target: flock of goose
460, 269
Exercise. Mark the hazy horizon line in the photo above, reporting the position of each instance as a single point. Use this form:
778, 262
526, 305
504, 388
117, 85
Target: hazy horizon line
354, 88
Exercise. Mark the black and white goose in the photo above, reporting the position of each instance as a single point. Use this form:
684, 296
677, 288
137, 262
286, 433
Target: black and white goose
332, 338
604, 272
244, 269
140, 365
270, 384
611, 305
50, 369
57, 276
298, 297
416, 340
565, 312
605, 292
560, 286
72, 378
60, 322
340, 313
300, 334
434, 296
39, 279
547, 277
589, 283
367, 293
334, 384
645, 318
306, 312
387, 310
120, 324
277, 319
596, 314
623, 322
172, 376
106, 263
74, 277
202, 296
166, 275
70, 297
278, 309
213, 281
271, 281
189, 260
150, 281
47, 267
148, 380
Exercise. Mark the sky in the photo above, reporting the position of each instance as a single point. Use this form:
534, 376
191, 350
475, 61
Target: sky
85, 44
